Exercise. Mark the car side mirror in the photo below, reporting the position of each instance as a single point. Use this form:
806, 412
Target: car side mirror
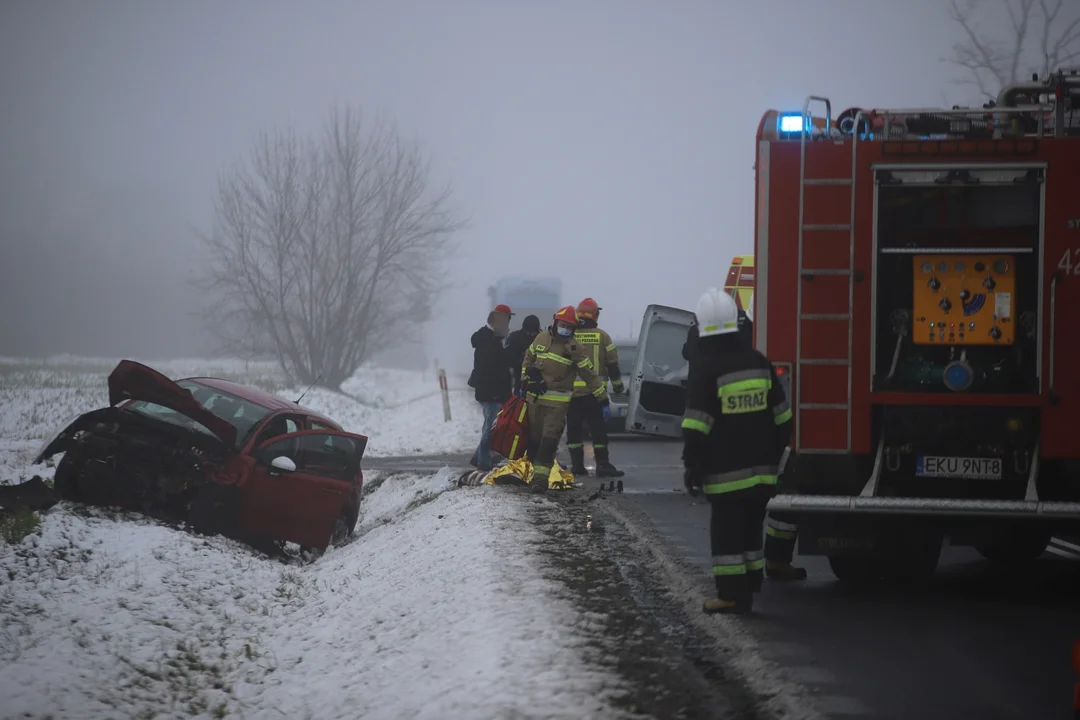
283, 463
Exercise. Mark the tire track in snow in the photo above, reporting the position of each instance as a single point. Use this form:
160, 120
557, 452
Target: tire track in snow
628, 623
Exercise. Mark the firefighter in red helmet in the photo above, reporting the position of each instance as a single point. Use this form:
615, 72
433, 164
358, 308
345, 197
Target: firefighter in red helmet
585, 407
552, 363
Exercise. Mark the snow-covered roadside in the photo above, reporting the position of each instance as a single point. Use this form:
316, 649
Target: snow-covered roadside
399, 410
436, 611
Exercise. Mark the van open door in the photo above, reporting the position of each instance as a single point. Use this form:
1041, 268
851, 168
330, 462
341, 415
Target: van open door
658, 379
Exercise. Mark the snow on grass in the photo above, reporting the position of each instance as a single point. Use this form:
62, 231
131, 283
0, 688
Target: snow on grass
436, 610
399, 410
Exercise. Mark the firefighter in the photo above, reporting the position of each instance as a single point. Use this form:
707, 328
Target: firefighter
735, 428
551, 364
780, 532
584, 406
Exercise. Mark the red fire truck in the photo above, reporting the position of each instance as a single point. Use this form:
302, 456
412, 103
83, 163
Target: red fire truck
917, 277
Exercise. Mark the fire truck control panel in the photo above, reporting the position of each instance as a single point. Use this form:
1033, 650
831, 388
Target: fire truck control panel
964, 300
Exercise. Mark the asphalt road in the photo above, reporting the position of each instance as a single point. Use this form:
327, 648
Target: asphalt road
977, 643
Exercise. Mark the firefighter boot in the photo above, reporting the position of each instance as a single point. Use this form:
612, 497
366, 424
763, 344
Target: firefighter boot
604, 468
784, 571
545, 455
723, 606
577, 462
717, 606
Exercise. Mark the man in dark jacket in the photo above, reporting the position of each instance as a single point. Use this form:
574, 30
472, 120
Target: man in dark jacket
518, 342
491, 377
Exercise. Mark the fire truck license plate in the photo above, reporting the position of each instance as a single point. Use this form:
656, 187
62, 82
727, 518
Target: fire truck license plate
958, 467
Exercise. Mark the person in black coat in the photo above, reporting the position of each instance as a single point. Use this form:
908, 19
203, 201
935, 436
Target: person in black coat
518, 342
491, 377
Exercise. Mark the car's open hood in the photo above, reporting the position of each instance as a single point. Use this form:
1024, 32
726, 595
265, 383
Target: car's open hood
130, 380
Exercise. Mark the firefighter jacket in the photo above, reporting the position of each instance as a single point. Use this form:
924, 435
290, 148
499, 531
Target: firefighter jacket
601, 351
737, 420
689, 348
559, 361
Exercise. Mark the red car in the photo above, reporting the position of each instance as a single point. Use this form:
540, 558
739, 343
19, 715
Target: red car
224, 457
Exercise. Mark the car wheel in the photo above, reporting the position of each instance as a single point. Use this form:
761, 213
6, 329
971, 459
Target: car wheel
66, 479
211, 509
343, 529
1019, 547
855, 569
203, 511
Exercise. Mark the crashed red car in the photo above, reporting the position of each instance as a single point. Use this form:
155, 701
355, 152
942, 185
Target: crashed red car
224, 457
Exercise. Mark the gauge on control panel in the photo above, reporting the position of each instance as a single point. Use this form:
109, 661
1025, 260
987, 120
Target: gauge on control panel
1001, 266
959, 267
943, 267
979, 267
927, 267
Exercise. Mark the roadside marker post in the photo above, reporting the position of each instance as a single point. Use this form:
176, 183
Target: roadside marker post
445, 395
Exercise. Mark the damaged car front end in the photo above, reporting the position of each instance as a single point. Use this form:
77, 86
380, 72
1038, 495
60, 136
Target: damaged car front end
221, 457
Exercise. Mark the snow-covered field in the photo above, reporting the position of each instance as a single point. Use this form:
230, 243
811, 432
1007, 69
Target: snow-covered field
399, 410
437, 609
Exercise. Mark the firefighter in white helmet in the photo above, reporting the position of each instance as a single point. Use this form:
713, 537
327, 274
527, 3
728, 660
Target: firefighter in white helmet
735, 428
780, 530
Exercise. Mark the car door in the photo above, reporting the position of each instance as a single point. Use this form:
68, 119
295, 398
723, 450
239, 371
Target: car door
301, 505
658, 379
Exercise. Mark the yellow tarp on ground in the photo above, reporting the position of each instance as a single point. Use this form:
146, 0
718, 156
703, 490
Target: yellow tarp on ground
522, 470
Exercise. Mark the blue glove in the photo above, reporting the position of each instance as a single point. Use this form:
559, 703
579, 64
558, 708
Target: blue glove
606, 409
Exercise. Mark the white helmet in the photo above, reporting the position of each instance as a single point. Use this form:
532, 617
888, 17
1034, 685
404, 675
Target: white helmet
717, 313
750, 309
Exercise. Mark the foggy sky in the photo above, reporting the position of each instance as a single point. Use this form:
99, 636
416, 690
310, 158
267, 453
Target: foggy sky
611, 143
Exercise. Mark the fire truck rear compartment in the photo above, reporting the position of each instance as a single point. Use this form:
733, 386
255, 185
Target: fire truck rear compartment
956, 313
957, 277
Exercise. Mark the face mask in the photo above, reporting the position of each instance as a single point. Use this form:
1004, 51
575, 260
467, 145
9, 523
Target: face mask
564, 331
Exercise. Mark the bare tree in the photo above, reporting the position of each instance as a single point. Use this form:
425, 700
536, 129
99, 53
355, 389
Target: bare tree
322, 249
1041, 36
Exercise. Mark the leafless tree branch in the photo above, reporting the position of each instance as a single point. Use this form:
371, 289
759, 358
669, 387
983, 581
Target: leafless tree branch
1041, 36
322, 248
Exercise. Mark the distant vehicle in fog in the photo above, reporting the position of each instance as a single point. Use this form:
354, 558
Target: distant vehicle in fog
539, 296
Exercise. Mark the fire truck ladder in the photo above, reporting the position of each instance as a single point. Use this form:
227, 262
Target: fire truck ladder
807, 275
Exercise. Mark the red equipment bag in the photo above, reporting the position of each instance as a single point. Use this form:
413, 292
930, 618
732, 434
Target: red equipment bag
510, 431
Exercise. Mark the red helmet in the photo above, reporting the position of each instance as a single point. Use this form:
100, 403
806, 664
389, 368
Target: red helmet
505, 309
587, 309
566, 315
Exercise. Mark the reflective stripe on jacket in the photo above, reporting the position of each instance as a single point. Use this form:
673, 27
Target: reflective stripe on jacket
737, 421
601, 351
561, 361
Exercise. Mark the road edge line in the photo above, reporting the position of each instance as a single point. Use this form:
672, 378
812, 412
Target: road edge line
775, 696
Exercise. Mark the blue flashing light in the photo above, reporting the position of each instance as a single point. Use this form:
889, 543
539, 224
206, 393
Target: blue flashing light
792, 123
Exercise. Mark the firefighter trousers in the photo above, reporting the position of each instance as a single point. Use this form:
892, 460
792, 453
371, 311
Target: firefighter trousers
735, 529
546, 423
780, 536
586, 409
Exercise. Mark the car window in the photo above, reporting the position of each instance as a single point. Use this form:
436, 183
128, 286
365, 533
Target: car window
316, 425
239, 413
333, 456
280, 425
170, 416
664, 349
